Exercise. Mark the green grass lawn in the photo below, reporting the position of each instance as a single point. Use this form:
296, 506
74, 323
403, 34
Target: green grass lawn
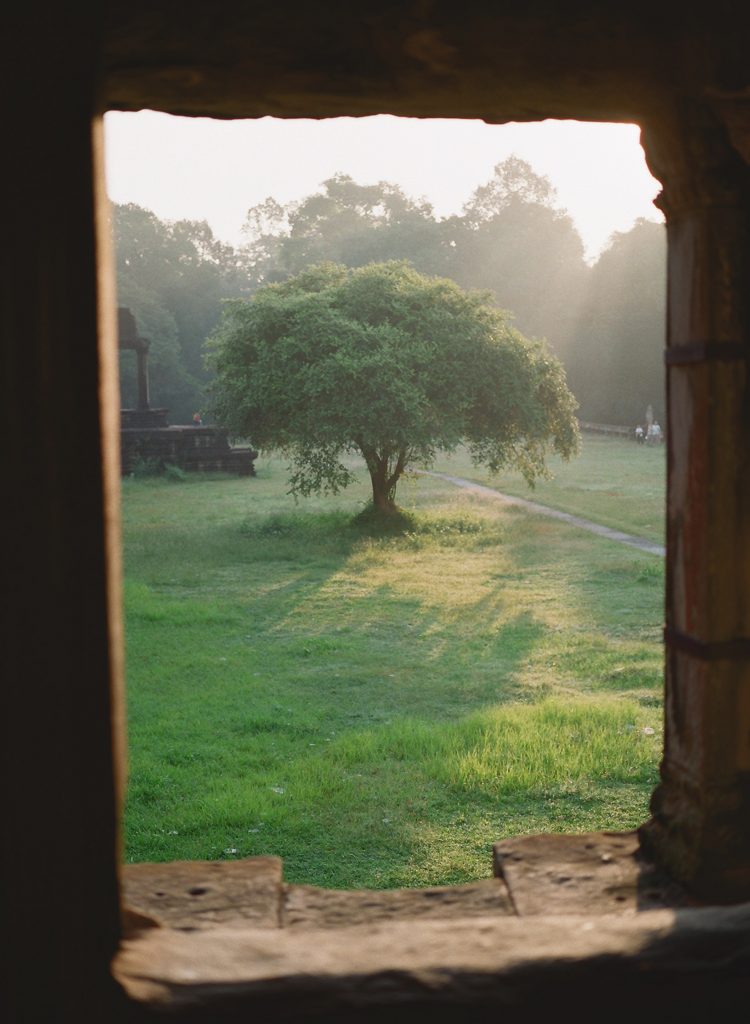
613, 481
378, 710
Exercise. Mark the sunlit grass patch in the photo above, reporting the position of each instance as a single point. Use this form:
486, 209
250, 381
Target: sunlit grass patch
613, 481
553, 747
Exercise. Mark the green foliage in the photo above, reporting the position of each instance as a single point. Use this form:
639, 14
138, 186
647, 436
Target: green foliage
391, 364
175, 473
606, 322
617, 366
146, 467
513, 181
372, 522
172, 277
512, 239
343, 223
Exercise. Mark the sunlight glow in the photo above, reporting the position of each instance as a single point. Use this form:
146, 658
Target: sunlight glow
202, 169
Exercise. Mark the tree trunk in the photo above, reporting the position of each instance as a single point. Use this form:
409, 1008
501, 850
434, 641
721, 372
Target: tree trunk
385, 470
383, 496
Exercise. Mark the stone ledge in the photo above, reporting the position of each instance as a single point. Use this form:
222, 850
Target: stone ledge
199, 895
589, 873
237, 944
308, 907
658, 962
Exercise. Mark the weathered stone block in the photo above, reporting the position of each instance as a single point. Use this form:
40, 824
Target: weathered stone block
590, 873
203, 894
307, 906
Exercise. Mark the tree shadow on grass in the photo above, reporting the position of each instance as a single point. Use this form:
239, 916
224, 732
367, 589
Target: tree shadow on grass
302, 633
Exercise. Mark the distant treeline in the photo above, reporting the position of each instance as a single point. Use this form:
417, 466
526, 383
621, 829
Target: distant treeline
606, 322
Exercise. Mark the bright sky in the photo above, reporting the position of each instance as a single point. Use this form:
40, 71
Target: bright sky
201, 169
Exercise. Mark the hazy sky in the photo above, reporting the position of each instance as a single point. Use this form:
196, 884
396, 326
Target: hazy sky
201, 169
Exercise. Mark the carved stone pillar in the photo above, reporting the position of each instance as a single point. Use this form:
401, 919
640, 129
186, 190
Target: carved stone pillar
128, 338
700, 825
143, 395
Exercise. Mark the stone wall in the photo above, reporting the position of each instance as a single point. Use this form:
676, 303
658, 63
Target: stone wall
190, 448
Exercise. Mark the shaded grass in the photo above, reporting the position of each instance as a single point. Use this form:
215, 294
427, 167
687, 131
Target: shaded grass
378, 708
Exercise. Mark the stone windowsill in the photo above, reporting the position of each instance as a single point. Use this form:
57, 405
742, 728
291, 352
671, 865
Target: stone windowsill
227, 940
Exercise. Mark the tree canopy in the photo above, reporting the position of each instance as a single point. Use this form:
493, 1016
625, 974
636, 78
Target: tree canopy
606, 322
616, 366
172, 277
511, 239
391, 364
344, 222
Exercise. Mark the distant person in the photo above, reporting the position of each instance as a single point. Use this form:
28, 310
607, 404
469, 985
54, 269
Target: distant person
197, 421
639, 434
654, 433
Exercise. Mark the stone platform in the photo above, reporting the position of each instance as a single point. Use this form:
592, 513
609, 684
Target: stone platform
189, 447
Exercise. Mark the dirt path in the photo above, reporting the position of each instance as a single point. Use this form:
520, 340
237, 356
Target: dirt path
640, 543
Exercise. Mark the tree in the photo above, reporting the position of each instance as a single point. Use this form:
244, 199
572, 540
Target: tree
391, 364
616, 367
516, 242
511, 239
173, 277
513, 181
344, 222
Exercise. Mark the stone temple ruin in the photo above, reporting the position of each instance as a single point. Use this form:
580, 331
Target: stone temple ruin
147, 437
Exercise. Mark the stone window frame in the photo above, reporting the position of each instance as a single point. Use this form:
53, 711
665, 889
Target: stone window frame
340, 975
682, 79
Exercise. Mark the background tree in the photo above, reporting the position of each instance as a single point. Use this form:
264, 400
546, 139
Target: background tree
385, 362
514, 240
616, 367
605, 323
347, 223
511, 239
173, 277
265, 229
